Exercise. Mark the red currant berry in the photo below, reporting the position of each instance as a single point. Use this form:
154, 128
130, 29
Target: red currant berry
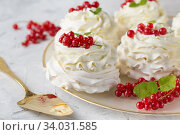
90, 40
170, 98
163, 31
147, 31
80, 38
86, 4
129, 0
131, 33
95, 4
52, 33
120, 87
146, 100
140, 105
71, 34
148, 106
123, 4
128, 86
175, 93
161, 104
156, 32
154, 97
67, 41
165, 100
150, 25
75, 43
141, 80
152, 79
25, 43
79, 8
133, 85
71, 10
87, 46
127, 93
15, 26
155, 105
118, 93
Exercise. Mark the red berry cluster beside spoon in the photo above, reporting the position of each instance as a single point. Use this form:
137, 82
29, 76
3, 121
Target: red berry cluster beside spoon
155, 101
78, 41
129, 1
147, 30
37, 31
86, 4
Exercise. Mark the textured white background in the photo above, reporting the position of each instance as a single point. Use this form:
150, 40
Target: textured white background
26, 62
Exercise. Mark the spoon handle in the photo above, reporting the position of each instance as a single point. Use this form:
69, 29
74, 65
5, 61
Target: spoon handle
5, 69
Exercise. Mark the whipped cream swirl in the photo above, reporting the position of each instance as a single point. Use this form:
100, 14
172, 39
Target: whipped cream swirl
91, 70
176, 25
149, 55
128, 17
85, 21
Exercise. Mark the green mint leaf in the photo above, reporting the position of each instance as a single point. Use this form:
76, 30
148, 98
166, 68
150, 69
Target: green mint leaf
98, 10
133, 4
145, 89
87, 33
167, 83
143, 2
153, 21
76, 34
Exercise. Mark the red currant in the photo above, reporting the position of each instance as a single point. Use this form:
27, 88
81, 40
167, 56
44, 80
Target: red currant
140, 105
131, 33
95, 4
163, 31
150, 25
118, 93
15, 26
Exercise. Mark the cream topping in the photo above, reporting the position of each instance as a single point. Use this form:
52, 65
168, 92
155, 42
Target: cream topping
149, 55
128, 17
85, 21
91, 70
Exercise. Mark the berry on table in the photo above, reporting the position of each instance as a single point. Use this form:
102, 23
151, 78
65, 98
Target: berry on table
15, 26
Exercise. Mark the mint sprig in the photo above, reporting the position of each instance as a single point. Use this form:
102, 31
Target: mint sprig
153, 21
87, 33
167, 83
146, 89
97, 11
141, 3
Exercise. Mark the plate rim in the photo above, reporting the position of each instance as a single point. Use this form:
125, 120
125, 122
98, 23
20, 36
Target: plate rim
98, 104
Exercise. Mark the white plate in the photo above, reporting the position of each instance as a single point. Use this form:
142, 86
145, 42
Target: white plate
109, 100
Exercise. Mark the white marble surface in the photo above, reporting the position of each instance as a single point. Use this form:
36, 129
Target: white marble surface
26, 62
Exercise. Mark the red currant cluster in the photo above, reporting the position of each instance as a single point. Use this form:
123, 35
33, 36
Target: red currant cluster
71, 40
37, 31
147, 30
158, 100
86, 4
155, 101
127, 89
129, 1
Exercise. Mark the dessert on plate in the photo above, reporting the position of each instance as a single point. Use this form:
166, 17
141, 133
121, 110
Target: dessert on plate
91, 18
176, 25
149, 50
83, 63
133, 12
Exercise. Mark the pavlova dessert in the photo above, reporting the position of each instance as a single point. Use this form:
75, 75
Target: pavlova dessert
149, 50
176, 25
83, 63
91, 18
133, 12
